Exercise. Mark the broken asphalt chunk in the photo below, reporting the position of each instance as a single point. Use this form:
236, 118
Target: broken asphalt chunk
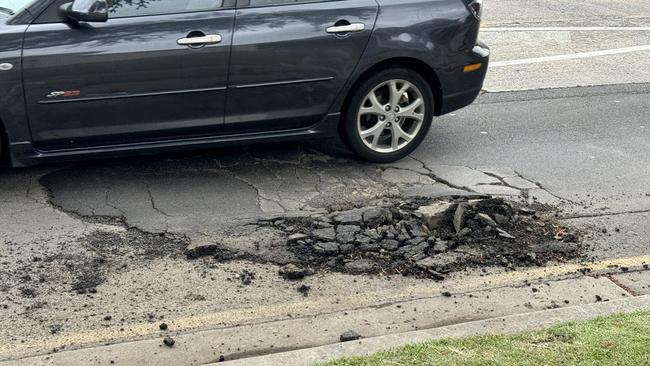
169, 342
504, 234
350, 336
324, 234
459, 216
436, 215
501, 219
485, 220
294, 238
360, 266
376, 216
351, 217
347, 233
197, 250
527, 211
246, 277
328, 249
292, 272
304, 290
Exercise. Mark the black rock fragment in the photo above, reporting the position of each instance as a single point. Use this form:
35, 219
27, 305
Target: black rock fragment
349, 336
169, 342
304, 290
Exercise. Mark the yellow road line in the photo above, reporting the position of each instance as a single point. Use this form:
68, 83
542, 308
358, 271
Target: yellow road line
232, 317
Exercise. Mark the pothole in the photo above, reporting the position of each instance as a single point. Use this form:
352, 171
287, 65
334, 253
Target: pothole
416, 237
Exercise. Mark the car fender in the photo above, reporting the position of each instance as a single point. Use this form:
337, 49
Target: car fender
445, 28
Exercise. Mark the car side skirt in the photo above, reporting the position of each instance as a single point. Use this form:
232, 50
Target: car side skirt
24, 154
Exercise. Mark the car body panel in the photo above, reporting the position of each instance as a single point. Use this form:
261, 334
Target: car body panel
126, 80
286, 70
441, 35
12, 106
444, 39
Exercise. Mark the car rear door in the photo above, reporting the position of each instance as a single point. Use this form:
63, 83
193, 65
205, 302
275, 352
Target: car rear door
290, 59
135, 78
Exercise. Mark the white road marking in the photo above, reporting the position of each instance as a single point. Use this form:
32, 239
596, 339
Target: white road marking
564, 29
571, 56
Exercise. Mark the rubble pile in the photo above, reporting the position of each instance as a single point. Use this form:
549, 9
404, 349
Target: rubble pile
426, 239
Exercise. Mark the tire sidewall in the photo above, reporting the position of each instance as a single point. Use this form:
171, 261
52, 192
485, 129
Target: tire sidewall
350, 131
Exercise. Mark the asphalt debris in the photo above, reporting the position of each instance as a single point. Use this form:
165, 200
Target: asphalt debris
292, 272
425, 238
304, 290
28, 292
169, 342
349, 336
246, 277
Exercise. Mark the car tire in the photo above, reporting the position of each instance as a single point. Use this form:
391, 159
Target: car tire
389, 126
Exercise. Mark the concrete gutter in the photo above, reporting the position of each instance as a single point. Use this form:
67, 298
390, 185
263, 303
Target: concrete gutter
462, 306
504, 325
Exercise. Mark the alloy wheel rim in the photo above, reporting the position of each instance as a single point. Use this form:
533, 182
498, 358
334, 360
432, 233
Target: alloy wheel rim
391, 116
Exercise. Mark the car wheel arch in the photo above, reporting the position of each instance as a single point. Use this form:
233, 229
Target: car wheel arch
414, 64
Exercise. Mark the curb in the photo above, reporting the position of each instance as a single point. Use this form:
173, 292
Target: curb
504, 325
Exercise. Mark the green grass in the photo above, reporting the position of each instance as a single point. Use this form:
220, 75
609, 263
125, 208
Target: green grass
615, 340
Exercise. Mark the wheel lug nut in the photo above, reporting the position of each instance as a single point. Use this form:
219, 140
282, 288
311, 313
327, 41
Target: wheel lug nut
381, 118
387, 108
396, 109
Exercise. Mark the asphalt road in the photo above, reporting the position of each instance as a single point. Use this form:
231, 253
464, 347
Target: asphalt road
588, 146
63, 225
121, 226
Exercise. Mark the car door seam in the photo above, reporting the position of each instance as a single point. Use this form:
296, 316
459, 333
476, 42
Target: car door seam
350, 80
230, 47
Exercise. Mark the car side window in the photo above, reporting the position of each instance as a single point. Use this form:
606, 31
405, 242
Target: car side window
250, 3
135, 8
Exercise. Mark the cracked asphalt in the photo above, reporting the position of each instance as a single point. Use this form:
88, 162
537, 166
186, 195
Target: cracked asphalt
95, 252
499, 146
584, 150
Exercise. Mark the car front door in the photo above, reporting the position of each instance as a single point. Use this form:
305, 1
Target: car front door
142, 76
291, 58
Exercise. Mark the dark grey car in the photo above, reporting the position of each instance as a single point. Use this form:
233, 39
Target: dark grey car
95, 78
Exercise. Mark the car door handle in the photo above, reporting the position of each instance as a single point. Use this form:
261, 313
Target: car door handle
349, 28
194, 41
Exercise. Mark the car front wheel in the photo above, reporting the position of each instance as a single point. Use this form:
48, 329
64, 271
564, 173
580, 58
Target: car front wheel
389, 115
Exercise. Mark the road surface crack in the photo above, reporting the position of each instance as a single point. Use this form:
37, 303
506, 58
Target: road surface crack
541, 186
606, 214
153, 203
106, 193
260, 196
431, 175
